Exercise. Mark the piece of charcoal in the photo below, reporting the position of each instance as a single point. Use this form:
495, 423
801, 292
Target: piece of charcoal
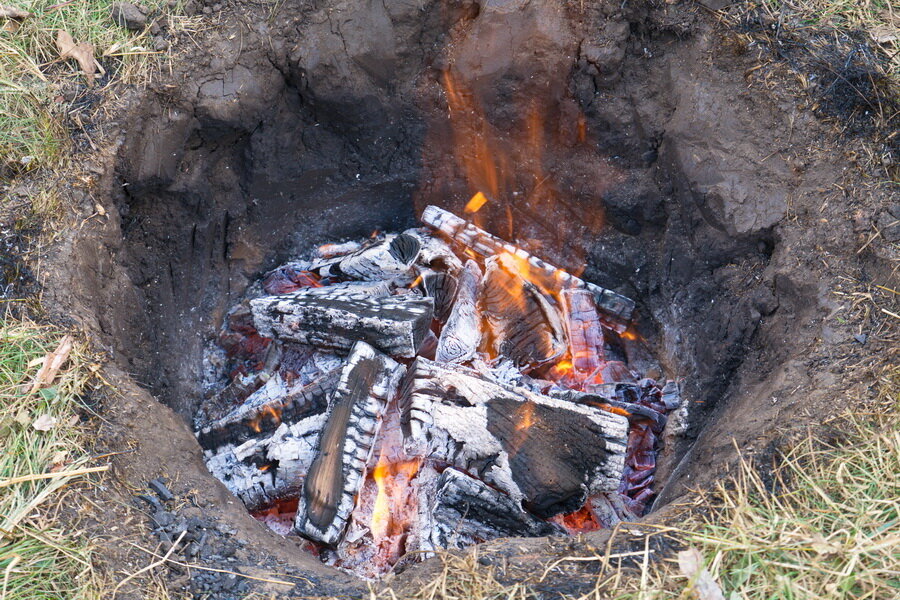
161, 490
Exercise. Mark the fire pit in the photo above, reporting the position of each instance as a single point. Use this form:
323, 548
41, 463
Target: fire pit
573, 238
427, 391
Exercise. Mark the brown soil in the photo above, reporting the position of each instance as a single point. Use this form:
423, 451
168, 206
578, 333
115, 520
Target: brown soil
731, 215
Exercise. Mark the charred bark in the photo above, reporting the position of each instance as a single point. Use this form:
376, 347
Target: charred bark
524, 326
393, 324
547, 453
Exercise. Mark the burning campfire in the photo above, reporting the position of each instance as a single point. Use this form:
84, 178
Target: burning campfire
428, 390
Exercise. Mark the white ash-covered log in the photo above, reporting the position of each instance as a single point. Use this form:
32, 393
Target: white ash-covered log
616, 308
524, 326
396, 325
368, 380
529, 446
262, 451
461, 511
385, 259
265, 410
461, 334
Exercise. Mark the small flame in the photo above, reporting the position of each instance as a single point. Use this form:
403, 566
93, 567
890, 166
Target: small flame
475, 204
526, 416
392, 480
267, 413
631, 334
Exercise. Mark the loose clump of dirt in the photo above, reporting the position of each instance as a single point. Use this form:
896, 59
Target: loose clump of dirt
722, 209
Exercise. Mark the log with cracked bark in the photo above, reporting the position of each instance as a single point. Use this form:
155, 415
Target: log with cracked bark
367, 381
388, 258
584, 332
462, 511
265, 410
617, 309
263, 450
314, 316
529, 446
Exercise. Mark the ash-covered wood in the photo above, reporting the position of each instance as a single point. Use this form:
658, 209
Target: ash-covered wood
393, 324
435, 253
264, 411
616, 308
388, 258
585, 333
442, 288
529, 446
461, 334
367, 382
260, 457
467, 511
524, 326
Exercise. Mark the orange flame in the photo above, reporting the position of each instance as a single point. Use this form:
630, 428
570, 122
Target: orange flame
268, 413
581, 521
476, 202
393, 481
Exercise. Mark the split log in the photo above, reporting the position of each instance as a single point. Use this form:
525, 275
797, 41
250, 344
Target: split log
393, 324
386, 259
617, 309
524, 326
461, 334
467, 511
585, 333
547, 453
265, 410
367, 382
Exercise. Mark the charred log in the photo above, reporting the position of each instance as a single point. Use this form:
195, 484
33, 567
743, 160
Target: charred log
266, 410
524, 326
386, 259
467, 511
462, 332
529, 446
442, 288
393, 324
585, 333
615, 307
367, 382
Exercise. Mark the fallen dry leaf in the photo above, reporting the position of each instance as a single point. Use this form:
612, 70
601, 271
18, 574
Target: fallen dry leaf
83, 53
44, 423
884, 34
690, 563
53, 362
13, 12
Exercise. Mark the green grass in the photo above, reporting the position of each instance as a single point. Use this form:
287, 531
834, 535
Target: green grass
39, 558
32, 77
